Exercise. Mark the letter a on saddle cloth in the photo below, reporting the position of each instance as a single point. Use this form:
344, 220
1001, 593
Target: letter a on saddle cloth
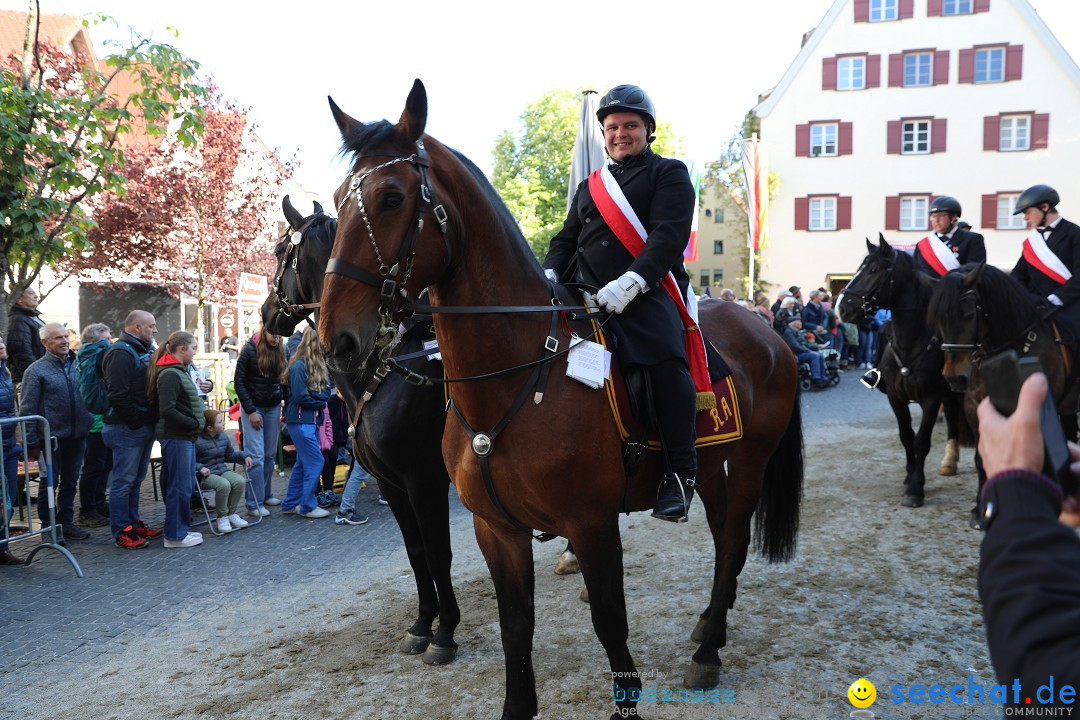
937, 255
1043, 259
624, 222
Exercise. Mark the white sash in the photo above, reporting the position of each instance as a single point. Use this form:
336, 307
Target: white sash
616, 193
1044, 260
937, 254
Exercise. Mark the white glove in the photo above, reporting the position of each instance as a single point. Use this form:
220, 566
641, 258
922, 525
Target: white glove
1055, 300
617, 294
551, 275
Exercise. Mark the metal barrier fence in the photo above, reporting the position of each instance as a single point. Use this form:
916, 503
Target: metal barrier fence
52, 533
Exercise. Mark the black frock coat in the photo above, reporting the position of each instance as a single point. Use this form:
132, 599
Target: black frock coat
1063, 241
966, 246
586, 250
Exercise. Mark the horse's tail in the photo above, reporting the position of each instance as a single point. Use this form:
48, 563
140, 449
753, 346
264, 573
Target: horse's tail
776, 522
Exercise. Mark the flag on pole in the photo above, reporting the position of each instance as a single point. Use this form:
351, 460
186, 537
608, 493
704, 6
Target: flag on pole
756, 168
690, 254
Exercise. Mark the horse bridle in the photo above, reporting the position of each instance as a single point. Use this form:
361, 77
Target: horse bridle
870, 303
972, 300
292, 250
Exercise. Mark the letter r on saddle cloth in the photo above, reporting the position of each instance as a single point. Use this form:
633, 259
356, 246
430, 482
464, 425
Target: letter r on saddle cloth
624, 223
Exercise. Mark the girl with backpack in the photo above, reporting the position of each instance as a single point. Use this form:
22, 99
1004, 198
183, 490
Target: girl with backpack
180, 412
308, 388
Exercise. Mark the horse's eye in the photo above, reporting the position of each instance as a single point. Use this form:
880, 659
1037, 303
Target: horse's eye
873, 269
391, 201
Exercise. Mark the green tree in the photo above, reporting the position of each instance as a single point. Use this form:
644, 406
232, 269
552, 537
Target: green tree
60, 118
532, 163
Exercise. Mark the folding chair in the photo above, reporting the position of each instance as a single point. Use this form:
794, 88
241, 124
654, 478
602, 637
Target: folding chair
206, 508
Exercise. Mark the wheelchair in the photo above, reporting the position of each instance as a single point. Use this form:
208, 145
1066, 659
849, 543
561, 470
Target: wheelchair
832, 370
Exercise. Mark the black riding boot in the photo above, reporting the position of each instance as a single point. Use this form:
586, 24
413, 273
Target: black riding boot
673, 498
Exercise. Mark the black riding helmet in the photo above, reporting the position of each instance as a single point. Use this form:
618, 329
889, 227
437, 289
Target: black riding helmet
945, 204
626, 98
1037, 195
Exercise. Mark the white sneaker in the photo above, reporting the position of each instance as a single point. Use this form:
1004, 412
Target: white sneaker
272, 501
223, 524
191, 540
238, 522
317, 513
258, 512
192, 533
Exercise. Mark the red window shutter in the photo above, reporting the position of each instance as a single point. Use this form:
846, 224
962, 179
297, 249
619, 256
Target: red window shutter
989, 210
862, 10
892, 213
1014, 62
873, 71
933, 8
937, 135
1040, 131
892, 143
844, 139
941, 67
896, 70
828, 73
906, 9
992, 133
802, 213
967, 66
982, 6
802, 140
843, 212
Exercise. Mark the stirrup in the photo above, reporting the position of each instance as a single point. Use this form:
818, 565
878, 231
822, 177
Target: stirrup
871, 378
665, 508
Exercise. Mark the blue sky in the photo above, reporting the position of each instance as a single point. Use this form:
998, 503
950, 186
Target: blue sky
483, 62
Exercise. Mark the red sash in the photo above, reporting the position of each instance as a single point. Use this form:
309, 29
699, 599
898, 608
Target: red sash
1043, 259
633, 242
937, 255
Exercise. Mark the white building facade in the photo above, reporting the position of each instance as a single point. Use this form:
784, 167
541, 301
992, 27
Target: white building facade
891, 103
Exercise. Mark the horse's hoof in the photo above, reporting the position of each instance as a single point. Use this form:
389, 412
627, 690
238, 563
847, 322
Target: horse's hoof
584, 596
912, 501
698, 635
439, 655
414, 644
947, 469
702, 676
567, 565
975, 521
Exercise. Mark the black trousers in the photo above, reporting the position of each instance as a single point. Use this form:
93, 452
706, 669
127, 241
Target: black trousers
675, 401
97, 463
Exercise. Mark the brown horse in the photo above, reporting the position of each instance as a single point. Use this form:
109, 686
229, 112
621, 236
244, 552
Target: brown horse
414, 214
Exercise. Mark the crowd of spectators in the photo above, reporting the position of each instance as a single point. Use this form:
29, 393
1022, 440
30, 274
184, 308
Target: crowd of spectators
155, 394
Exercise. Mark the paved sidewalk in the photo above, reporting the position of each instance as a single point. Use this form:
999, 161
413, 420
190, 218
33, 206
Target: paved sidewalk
54, 624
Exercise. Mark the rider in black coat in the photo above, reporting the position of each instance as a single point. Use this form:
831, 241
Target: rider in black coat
649, 332
966, 246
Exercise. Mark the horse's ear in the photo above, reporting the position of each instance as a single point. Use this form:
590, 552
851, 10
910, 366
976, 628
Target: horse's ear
345, 123
886, 249
318, 207
414, 116
870, 246
972, 276
292, 214
927, 281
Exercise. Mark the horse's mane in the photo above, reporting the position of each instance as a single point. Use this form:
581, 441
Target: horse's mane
1009, 305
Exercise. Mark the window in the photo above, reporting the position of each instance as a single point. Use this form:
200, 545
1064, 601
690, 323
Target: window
718, 277
718, 247
990, 65
823, 139
956, 7
851, 73
915, 137
1006, 206
917, 69
822, 213
718, 215
881, 10
704, 279
1015, 132
913, 213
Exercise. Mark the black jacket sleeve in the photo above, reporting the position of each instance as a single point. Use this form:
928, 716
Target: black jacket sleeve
1029, 583
20, 346
118, 370
240, 378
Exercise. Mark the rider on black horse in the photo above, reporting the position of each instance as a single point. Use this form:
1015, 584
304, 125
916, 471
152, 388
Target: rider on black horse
650, 331
1049, 266
946, 248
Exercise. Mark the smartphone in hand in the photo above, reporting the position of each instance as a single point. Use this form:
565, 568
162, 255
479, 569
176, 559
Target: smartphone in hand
1003, 375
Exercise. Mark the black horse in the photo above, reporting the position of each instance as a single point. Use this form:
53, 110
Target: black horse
397, 431
979, 311
911, 363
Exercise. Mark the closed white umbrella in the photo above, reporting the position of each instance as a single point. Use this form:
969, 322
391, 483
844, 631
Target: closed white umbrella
588, 145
